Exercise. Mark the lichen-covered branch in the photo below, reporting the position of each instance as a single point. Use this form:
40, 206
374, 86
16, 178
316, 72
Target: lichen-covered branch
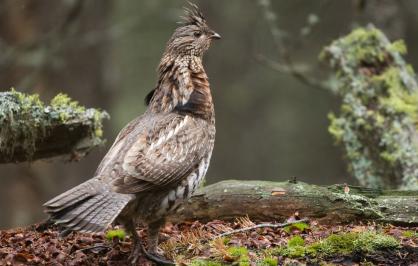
31, 130
266, 201
377, 122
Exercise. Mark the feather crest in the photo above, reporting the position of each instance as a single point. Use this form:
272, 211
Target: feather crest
193, 16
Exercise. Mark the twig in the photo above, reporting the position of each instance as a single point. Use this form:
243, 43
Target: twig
287, 65
291, 69
259, 226
99, 247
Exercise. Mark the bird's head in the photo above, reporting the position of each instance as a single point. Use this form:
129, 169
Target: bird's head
194, 36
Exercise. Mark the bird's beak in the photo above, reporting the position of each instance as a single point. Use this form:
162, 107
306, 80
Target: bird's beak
215, 36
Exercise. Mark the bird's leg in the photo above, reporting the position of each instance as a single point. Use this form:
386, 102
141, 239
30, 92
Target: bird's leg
137, 245
153, 232
152, 253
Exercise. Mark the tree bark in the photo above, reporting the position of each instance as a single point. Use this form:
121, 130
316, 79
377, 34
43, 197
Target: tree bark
71, 140
266, 201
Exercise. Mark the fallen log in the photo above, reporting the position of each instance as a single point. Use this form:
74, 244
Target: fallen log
267, 201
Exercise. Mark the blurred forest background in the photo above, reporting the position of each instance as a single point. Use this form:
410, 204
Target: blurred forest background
271, 121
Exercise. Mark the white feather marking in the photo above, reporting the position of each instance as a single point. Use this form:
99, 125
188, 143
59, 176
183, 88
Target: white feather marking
180, 191
160, 140
175, 149
190, 181
168, 157
181, 152
172, 195
132, 156
202, 168
164, 205
170, 134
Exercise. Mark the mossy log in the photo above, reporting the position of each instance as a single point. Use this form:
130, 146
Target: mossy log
30, 130
377, 122
266, 201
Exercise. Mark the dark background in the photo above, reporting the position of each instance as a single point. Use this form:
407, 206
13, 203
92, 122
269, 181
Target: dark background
103, 53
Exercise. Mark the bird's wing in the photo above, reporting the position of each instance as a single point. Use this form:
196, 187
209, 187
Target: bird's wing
167, 149
121, 140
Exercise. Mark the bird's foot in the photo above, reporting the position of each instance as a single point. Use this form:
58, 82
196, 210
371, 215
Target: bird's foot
139, 250
158, 259
135, 254
155, 256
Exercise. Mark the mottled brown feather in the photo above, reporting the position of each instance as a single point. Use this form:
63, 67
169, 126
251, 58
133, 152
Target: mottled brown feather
183, 141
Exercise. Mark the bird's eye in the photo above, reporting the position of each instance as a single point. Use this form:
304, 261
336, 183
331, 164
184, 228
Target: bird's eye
197, 34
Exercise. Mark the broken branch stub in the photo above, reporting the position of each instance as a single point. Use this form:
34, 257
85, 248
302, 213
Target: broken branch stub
31, 130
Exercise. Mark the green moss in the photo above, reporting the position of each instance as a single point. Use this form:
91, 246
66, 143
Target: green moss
97, 121
340, 244
296, 241
295, 248
402, 102
372, 241
226, 240
67, 107
238, 251
118, 233
363, 46
270, 261
335, 128
200, 262
240, 255
345, 108
291, 252
409, 234
398, 46
363, 263
27, 102
410, 70
389, 157
399, 98
380, 119
62, 100
296, 226
348, 243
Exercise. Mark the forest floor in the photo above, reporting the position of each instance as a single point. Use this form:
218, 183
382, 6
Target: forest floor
197, 244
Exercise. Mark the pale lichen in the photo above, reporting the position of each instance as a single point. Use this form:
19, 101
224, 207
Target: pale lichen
379, 112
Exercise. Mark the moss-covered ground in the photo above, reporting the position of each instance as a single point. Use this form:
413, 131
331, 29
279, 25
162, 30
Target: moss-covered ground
196, 244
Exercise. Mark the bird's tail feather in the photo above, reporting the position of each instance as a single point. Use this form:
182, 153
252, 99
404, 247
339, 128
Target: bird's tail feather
88, 207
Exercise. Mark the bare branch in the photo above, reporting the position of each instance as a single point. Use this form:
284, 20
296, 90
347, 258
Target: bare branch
263, 225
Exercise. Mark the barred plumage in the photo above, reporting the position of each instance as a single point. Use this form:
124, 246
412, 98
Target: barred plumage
159, 158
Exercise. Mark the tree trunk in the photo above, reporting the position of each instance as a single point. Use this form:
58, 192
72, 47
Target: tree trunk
376, 124
266, 201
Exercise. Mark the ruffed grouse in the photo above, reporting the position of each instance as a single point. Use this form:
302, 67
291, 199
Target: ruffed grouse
159, 158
